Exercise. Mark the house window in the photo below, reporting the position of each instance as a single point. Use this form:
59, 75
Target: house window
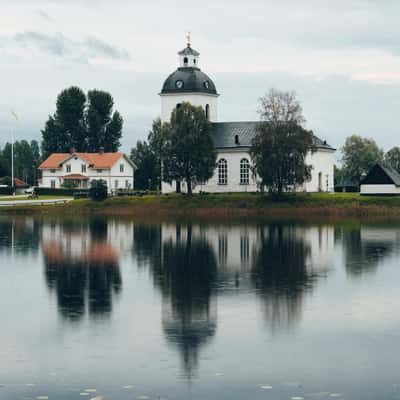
99, 171
222, 172
127, 185
53, 184
68, 167
53, 171
116, 184
244, 171
83, 168
121, 168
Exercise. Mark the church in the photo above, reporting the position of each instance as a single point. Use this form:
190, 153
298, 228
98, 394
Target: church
232, 140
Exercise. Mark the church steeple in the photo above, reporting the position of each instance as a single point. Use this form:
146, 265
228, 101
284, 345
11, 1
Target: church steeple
188, 57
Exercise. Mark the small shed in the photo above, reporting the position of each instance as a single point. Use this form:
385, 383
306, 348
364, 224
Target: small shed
381, 180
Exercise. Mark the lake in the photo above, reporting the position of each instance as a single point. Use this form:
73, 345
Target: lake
123, 309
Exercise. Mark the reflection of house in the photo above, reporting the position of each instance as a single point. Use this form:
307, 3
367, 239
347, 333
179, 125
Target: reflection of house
116, 169
82, 264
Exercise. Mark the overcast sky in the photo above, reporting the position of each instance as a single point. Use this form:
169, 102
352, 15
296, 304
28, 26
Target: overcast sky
341, 57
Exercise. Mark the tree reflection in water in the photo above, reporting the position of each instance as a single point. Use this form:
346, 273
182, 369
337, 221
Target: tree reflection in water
281, 274
82, 267
185, 275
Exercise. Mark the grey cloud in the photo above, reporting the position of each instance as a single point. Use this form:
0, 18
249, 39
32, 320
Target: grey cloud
60, 45
44, 15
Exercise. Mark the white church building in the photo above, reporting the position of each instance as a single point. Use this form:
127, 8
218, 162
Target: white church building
232, 140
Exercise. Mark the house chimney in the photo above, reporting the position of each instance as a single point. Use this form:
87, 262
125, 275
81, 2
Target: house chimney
72, 150
101, 150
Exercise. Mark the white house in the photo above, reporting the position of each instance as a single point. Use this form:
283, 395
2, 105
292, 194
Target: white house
116, 169
232, 140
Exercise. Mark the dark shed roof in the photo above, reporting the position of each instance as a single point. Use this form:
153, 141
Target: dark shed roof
381, 175
241, 134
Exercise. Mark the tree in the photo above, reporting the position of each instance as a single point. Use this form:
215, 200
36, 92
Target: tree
392, 157
281, 144
98, 190
84, 123
145, 160
359, 156
104, 128
189, 150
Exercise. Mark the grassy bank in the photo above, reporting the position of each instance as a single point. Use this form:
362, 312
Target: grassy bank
226, 205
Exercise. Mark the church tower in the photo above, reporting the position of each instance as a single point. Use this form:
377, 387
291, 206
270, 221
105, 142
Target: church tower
189, 84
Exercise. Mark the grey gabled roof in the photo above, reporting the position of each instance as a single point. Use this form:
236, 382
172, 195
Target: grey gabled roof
224, 133
188, 51
393, 175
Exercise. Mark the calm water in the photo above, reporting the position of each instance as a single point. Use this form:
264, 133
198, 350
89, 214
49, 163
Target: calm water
198, 311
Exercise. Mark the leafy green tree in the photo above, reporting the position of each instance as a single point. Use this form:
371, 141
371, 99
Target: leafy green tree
359, 156
281, 144
392, 157
82, 122
98, 190
189, 151
104, 128
145, 160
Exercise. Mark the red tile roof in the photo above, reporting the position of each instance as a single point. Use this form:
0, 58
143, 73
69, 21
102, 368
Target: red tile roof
96, 160
20, 184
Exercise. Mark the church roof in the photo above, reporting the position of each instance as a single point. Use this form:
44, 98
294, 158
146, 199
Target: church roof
188, 51
188, 79
224, 133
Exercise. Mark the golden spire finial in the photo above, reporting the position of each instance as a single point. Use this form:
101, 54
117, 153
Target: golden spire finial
188, 39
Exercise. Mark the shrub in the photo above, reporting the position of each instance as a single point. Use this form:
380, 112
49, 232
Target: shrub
41, 191
70, 184
6, 191
98, 190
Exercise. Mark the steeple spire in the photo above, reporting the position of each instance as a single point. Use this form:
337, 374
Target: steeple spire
188, 39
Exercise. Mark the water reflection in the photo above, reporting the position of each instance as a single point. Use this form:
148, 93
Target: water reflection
19, 235
282, 272
81, 267
366, 246
185, 275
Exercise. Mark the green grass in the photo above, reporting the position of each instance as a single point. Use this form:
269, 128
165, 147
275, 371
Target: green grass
299, 204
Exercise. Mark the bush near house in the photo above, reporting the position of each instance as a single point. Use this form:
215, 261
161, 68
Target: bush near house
41, 191
6, 191
98, 190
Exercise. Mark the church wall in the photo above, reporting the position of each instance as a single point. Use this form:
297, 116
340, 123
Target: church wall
169, 102
323, 163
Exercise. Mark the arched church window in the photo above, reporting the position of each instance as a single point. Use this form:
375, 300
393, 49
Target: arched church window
207, 111
222, 172
244, 171
185, 61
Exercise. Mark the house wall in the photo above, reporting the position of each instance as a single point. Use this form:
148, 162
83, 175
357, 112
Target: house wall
108, 175
322, 162
379, 189
170, 100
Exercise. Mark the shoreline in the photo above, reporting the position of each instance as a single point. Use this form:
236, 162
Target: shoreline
298, 206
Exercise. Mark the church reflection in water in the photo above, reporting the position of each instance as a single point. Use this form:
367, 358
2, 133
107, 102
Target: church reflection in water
194, 265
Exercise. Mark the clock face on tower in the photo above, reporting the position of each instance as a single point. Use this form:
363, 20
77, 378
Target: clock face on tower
179, 84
